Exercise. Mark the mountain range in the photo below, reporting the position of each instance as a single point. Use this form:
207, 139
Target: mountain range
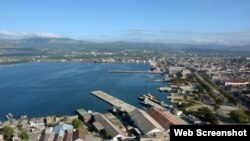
66, 43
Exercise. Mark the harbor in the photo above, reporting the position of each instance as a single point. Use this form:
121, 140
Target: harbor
77, 80
149, 99
133, 115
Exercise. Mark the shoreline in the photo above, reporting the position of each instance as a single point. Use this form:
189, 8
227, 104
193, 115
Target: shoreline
68, 61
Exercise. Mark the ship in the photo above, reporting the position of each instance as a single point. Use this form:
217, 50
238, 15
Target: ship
115, 109
153, 98
141, 97
166, 105
145, 104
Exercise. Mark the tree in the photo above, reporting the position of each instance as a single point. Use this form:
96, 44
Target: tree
7, 133
239, 116
200, 89
207, 115
216, 107
107, 135
185, 97
248, 85
219, 101
77, 123
20, 127
24, 136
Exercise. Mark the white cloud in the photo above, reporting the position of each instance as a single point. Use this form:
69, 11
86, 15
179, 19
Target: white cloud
47, 35
227, 38
7, 35
13, 35
165, 36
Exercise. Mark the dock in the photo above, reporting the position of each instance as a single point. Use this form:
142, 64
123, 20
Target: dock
113, 101
157, 106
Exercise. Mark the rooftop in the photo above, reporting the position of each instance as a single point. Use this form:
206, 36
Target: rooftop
82, 112
234, 81
80, 134
143, 121
108, 125
62, 127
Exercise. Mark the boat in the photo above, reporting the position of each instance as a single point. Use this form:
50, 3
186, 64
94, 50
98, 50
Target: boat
145, 104
113, 109
155, 100
120, 109
166, 105
141, 97
158, 80
150, 96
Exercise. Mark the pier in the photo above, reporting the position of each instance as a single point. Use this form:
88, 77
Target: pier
113, 101
157, 106
124, 71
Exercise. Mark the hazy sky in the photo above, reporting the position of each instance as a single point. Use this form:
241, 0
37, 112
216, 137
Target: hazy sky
196, 21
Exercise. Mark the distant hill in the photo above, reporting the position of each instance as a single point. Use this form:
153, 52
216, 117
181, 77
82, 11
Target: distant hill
66, 43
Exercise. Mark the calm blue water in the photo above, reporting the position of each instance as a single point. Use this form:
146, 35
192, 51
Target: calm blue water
39, 89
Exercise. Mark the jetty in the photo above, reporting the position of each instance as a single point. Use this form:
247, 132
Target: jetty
113, 101
156, 105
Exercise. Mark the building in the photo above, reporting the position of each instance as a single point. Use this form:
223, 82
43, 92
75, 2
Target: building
83, 115
144, 122
98, 126
235, 82
186, 89
16, 138
80, 135
115, 121
185, 72
102, 123
174, 70
162, 118
14, 123
68, 136
6, 123
60, 131
47, 135
49, 120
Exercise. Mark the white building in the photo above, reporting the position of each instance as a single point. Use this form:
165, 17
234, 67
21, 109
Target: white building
174, 70
185, 72
235, 83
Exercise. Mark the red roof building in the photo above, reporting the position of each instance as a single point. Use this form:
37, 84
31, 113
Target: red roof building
162, 118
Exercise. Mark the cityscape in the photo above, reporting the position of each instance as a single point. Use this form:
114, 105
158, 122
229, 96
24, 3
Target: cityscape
65, 88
